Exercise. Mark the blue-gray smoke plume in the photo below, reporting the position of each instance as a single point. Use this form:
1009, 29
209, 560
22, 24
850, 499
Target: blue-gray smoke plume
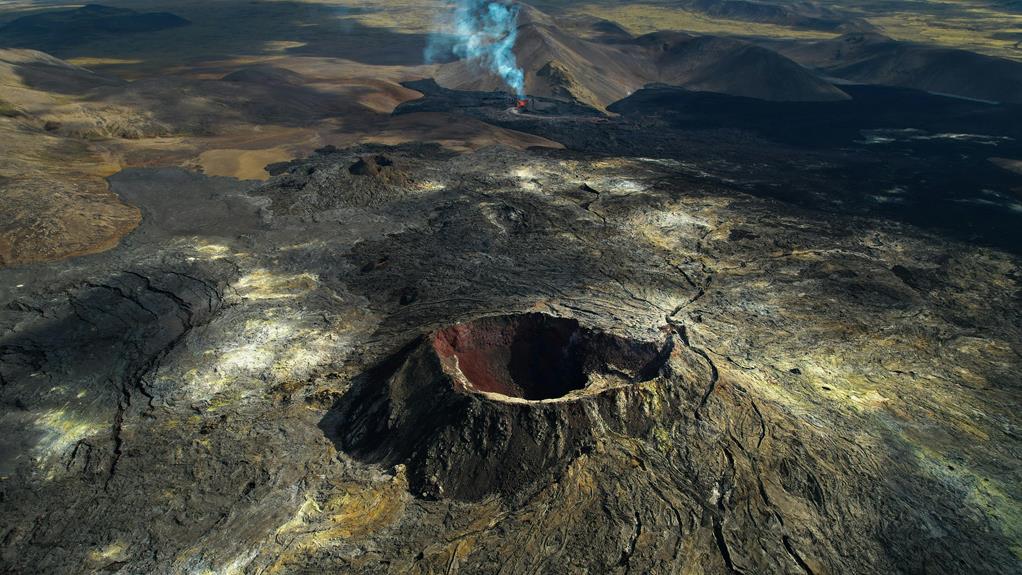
483, 32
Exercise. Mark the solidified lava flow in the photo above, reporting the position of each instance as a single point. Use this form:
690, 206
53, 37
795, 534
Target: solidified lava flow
536, 357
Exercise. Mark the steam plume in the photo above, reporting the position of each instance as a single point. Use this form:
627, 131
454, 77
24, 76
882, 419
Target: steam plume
483, 32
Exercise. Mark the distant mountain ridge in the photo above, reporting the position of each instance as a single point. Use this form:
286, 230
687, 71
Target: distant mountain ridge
808, 15
55, 29
871, 58
560, 64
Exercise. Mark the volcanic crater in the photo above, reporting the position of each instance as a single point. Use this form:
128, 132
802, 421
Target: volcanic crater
536, 357
531, 388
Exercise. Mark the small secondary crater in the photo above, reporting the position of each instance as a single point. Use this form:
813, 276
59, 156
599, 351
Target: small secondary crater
538, 357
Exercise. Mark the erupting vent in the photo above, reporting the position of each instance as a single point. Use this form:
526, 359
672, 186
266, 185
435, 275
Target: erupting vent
536, 357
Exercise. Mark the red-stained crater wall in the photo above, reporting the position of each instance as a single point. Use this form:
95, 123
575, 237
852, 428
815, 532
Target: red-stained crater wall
531, 356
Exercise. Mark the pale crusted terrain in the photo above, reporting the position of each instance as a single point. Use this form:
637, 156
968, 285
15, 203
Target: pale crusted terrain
840, 396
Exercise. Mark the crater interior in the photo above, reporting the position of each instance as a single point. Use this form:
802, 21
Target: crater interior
538, 357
